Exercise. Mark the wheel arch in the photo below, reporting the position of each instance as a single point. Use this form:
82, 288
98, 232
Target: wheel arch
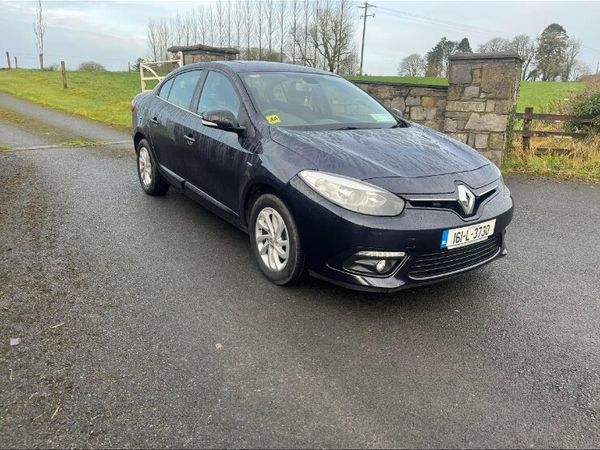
137, 137
251, 194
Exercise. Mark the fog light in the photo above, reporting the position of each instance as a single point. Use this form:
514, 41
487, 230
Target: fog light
376, 263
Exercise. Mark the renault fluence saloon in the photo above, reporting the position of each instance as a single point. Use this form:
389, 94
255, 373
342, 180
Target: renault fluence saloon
323, 178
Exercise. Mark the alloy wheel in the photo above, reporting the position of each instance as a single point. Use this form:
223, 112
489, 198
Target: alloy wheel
272, 239
145, 166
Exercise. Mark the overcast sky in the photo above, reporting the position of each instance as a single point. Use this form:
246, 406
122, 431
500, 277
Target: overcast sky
113, 32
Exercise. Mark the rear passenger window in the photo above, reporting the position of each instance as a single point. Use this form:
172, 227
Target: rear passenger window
183, 88
165, 88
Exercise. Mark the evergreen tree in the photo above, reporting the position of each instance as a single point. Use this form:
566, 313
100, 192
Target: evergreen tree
551, 52
464, 46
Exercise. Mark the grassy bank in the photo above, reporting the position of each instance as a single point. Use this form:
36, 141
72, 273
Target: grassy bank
102, 96
540, 95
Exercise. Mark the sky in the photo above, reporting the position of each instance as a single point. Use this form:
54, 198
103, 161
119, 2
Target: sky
113, 32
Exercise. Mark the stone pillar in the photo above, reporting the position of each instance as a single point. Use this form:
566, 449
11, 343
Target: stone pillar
482, 94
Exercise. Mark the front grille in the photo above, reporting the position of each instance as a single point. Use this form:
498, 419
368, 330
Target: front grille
452, 204
447, 262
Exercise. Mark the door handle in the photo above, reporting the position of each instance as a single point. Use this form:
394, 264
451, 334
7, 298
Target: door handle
189, 138
154, 120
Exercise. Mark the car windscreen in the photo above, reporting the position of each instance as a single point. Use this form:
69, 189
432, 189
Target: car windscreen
314, 101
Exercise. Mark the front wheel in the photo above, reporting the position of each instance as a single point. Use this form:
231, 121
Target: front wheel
150, 179
275, 241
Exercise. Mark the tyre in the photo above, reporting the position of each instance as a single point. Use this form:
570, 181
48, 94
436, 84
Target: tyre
150, 179
275, 241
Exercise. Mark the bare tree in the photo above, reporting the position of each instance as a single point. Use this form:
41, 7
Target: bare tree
412, 66
202, 24
188, 30
495, 45
39, 28
239, 20
282, 33
220, 13
573, 49
229, 24
580, 69
210, 24
164, 37
524, 46
294, 27
260, 29
153, 39
332, 33
315, 32
269, 16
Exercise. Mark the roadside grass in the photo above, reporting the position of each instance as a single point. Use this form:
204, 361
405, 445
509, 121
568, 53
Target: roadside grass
11, 116
580, 160
102, 96
78, 143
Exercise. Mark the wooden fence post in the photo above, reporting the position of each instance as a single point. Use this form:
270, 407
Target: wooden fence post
527, 127
8, 59
16, 63
128, 66
41, 61
64, 74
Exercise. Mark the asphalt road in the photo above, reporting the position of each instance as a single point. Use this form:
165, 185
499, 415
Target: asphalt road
145, 322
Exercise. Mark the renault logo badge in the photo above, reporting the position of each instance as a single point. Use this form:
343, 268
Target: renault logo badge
466, 199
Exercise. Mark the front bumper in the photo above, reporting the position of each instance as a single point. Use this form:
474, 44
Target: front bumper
330, 235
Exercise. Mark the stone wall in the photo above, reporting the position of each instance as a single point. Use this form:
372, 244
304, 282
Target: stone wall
474, 108
424, 104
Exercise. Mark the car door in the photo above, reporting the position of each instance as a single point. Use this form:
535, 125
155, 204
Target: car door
170, 122
217, 161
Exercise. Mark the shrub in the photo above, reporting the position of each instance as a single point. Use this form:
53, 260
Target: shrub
587, 106
91, 66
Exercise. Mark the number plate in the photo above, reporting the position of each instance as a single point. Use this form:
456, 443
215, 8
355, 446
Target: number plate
459, 237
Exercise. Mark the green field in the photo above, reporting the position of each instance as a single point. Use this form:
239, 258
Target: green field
105, 96
102, 96
410, 80
538, 94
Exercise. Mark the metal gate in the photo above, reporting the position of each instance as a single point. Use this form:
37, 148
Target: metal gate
147, 73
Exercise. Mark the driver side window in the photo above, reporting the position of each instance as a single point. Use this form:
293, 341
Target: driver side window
218, 93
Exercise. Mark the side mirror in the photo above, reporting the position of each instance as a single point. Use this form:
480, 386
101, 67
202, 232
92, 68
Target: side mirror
221, 119
398, 113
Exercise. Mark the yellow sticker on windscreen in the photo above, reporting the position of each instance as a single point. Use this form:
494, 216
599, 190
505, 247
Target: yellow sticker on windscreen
273, 119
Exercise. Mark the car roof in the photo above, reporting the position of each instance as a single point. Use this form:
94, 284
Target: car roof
255, 66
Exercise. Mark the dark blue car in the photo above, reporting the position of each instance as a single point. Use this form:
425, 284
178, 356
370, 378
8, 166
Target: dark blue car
323, 178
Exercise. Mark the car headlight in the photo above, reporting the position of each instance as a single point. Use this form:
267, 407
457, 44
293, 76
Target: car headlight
353, 194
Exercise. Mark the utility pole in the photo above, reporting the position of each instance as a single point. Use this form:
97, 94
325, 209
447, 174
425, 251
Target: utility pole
364, 17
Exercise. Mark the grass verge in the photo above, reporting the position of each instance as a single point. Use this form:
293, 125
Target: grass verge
581, 160
102, 96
